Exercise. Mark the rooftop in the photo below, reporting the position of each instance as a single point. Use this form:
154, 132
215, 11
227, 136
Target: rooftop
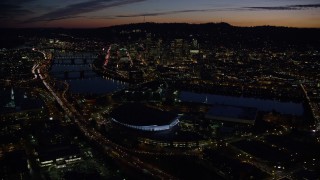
141, 115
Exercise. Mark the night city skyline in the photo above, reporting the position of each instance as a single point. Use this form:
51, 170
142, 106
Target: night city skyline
148, 89
104, 13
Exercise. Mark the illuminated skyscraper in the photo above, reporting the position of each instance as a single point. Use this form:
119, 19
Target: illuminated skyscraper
12, 94
12, 103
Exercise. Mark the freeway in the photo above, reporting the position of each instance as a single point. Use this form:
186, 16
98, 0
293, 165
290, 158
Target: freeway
314, 106
113, 150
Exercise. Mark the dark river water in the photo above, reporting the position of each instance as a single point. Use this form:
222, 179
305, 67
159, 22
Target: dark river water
260, 104
92, 83
89, 83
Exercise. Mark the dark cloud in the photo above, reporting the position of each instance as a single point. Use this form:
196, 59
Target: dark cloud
16, 1
307, 6
66, 17
100, 17
12, 11
171, 12
289, 7
74, 10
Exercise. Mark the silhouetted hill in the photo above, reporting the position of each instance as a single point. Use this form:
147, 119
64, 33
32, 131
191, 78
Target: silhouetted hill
225, 34
212, 34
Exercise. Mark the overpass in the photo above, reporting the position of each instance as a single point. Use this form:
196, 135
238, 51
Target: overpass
74, 58
81, 74
73, 61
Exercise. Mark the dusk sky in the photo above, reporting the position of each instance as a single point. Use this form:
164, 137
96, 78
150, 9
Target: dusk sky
102, 13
